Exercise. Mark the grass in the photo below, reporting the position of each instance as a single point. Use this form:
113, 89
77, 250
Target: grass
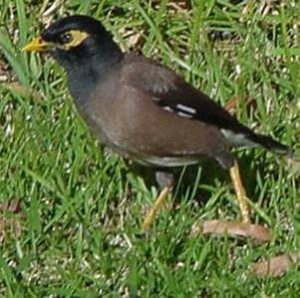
82, 207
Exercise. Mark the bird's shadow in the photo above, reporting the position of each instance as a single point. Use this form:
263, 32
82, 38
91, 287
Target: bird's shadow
210, 172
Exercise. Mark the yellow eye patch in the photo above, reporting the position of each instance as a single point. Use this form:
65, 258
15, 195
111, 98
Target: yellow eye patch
66, 41
76, 38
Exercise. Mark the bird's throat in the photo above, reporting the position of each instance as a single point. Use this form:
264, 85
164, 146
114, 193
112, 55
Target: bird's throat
84, 75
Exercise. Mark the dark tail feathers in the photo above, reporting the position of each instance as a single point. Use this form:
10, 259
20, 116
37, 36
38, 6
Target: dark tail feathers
270, 144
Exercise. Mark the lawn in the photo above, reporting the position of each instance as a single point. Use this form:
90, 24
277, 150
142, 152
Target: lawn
71, 210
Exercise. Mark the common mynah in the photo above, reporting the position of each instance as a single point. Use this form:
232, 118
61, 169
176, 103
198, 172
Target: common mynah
144, 111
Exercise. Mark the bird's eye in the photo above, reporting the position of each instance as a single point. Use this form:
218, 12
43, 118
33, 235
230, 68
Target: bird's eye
65, 37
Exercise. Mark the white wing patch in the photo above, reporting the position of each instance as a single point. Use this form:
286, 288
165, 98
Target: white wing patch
182, 114
169, 109
178, 112
186, 109
179, 109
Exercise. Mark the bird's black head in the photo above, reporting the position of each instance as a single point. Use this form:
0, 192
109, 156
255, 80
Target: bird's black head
74, 40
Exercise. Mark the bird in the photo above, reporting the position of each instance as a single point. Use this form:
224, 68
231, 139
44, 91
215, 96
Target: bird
144, 111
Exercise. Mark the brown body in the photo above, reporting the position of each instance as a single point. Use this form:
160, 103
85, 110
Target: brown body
117, 110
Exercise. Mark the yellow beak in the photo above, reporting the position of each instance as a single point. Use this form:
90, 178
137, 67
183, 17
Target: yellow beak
38, 45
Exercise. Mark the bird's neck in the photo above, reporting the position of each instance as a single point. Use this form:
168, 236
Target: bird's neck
85, 71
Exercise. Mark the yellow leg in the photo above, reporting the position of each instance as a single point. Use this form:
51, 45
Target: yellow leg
159, 203
240, 192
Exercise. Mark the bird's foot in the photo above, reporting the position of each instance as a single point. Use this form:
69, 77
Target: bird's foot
156, 207
239, 189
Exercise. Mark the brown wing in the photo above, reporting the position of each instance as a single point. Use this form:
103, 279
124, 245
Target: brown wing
172, 93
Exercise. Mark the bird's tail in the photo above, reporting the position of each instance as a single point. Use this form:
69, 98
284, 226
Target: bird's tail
247, 137
270, 144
